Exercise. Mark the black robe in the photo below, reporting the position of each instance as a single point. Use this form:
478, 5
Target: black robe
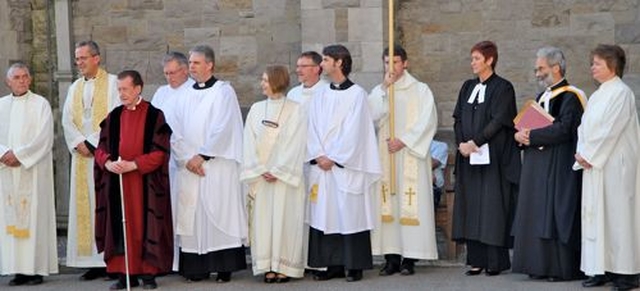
158, 226
546, 227
485, 195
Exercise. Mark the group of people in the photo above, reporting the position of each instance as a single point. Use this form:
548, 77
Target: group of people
563, 196
321, 177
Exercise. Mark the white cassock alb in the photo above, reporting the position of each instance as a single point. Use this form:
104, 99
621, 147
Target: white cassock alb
341, 128
277, 218
302, 94
210, 215
28, 243
405, 222
609, 139
167, 99
81, 247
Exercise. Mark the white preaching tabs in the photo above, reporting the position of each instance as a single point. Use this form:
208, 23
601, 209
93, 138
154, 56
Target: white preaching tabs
481, 157
478, 92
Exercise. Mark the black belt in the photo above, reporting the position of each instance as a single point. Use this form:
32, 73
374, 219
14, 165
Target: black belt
314, 162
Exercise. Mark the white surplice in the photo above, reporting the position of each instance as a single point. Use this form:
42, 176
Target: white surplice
416, 122
609, 139
26, 128
277, 219
303, 94
73, 136
341, 128
167, 100
210, 213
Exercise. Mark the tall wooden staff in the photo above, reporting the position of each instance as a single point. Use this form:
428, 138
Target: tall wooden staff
392, 123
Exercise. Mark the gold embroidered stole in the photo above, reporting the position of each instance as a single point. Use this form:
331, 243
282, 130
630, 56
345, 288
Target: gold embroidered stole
408, 184
570, 88
18, 203
99, 110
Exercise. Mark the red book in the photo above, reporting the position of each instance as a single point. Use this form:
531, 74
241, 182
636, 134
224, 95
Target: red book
532, 116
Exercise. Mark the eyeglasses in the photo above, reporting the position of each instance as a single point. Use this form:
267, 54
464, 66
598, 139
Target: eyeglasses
305, 66
84, 58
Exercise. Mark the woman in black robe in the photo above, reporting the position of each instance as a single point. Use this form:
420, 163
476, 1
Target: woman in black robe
486, 192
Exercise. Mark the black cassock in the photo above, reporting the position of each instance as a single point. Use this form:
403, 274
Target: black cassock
546, 227
485, 195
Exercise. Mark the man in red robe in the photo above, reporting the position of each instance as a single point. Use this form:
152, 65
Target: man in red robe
134, 147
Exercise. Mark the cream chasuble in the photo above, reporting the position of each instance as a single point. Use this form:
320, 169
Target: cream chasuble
28, 243
87, 103
609, 139
277, 209
405, 223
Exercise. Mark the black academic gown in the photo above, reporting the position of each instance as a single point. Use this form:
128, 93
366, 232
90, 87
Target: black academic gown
546, 227
485, 195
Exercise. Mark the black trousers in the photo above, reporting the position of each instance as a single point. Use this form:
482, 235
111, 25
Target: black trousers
492, 258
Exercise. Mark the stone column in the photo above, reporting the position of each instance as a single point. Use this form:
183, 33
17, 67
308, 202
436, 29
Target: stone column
64, 77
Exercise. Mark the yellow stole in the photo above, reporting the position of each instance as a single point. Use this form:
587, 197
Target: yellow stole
99, 111
408, 184
570, 88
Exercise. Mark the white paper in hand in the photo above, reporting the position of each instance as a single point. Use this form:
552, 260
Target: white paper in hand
481, 157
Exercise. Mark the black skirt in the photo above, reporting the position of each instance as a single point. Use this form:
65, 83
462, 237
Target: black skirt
227, 260
353, 251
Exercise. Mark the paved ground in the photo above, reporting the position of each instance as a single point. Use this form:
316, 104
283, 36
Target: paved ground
426, 278
432, 275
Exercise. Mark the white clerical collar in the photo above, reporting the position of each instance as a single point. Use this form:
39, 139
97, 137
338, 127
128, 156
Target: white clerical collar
137, 103
546, 96
478, 92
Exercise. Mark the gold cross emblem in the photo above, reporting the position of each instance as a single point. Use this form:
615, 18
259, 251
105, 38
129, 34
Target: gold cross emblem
410, 193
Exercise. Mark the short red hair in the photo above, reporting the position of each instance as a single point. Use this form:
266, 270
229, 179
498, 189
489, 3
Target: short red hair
488, 49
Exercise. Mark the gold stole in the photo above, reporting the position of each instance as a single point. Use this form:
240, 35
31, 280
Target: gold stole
18, 202
409, 182
99, 110
570, 88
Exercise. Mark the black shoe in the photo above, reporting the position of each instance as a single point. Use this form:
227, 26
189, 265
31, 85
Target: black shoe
94, 273
597, 280
473, 271
354, 275
197, 277
408, 267
270, 277
389, 268
537, 277
149, 283
223, 277
491, 273
555, 279
329, 274
19, 279
34, 280
282, 278
119, 285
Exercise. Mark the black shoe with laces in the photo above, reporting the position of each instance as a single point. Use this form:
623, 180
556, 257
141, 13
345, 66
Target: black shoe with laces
408, 267
223, 277
389, 269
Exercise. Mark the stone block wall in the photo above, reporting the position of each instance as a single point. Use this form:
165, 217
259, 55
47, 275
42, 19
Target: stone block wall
356, 24
245, 35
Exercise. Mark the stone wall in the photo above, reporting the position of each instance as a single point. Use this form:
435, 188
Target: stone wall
15, 35
439, 34
246, 36
356, 24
